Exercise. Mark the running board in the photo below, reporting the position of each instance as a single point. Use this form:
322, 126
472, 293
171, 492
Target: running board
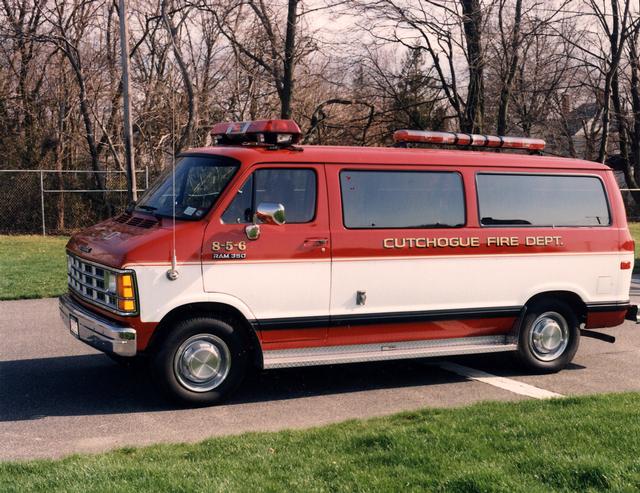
330, 355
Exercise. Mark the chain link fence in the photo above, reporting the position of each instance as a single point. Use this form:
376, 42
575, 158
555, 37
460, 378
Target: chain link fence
61, 201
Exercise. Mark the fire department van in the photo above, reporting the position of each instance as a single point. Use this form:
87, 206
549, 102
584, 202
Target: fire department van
258, 253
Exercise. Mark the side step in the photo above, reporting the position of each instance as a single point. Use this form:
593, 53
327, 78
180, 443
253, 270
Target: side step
329, 355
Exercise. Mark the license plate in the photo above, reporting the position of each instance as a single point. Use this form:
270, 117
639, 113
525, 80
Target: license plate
73, 325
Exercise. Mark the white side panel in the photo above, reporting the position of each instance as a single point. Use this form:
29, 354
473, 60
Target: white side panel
159, 295
436, 283
263, 290
274, 289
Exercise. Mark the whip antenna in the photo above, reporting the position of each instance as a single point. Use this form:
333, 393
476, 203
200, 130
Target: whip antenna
172, 274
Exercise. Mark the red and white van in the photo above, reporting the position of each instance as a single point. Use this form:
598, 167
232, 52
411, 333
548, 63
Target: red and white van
259, 253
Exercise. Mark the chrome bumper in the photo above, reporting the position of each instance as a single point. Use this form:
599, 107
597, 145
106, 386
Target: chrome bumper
98, 332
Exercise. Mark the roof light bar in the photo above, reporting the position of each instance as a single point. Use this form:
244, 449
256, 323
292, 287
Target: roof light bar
280, 133
462, 139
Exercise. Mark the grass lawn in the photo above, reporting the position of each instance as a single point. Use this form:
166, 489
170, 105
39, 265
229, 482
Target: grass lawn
635, 232
574, 444
32, 266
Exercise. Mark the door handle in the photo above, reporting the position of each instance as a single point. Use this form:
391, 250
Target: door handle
316, 242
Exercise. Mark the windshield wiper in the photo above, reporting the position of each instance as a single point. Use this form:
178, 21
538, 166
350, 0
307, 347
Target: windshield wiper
491, 221
150, 209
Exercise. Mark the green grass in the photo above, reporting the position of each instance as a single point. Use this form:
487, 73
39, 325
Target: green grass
32, 266
574, 444
634, 228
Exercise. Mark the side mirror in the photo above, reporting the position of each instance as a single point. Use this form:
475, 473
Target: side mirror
268, 213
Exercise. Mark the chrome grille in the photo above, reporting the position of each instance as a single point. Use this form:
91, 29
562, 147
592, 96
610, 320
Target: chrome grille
91, 282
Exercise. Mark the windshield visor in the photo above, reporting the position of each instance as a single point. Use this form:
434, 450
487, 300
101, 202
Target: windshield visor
199, 181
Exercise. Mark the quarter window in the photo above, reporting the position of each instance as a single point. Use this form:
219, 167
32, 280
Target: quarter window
541, 200
293, 188
402, 199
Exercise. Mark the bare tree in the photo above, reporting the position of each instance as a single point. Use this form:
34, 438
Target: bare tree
279, 51
187, 135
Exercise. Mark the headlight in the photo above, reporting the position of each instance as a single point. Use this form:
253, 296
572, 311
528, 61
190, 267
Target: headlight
121, 287
111, 282
126, 293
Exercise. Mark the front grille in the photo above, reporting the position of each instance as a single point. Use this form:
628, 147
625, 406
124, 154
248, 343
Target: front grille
91, 282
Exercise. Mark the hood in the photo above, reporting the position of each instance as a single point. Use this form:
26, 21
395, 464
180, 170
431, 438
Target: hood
138, 238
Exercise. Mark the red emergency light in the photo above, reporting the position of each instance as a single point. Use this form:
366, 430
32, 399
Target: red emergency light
279, 133
462, 139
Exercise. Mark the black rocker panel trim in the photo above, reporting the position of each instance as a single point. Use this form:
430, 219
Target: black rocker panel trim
610, 306
385, 318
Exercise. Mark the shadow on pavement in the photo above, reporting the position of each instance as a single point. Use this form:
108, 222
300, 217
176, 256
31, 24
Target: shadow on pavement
504, 366
93, 384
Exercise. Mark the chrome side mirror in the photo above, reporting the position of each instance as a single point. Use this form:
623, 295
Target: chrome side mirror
268, 213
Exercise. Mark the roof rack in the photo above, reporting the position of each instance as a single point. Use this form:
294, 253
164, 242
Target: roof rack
404, 137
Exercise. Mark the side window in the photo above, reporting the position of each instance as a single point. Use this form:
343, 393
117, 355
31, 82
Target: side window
293, 188
541, 200
402, 199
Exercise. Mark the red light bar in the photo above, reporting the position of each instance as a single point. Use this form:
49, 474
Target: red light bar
461, 139
258, 132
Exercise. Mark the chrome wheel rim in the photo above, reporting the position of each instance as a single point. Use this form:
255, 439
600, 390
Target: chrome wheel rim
202, 362
549, 336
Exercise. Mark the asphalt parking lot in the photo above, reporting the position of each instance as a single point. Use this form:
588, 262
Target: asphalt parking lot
58, 396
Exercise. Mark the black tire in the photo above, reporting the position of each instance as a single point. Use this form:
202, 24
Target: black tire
205, 338
538, 346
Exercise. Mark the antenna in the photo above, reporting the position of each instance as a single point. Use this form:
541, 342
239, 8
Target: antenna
172, 273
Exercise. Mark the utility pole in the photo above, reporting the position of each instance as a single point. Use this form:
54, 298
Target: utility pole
132, 193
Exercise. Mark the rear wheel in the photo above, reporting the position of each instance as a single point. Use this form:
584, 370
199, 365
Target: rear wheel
201, 361
549, 336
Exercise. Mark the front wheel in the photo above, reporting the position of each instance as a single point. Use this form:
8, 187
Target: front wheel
201, 361
549, 336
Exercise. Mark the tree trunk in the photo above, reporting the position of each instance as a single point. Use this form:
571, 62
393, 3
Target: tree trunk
634, 163
186, 139
289, 60
616, 51
507, 85
472, 22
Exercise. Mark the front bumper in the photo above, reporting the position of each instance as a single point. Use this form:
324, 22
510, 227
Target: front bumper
96, 331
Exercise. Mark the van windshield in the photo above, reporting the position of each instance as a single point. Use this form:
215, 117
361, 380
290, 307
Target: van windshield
199, 181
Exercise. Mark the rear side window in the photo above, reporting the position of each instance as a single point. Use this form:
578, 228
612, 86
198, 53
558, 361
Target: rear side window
541, 200
293, 188
402, 199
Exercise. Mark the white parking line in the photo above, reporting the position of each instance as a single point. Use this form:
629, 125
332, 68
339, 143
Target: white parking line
501, 382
